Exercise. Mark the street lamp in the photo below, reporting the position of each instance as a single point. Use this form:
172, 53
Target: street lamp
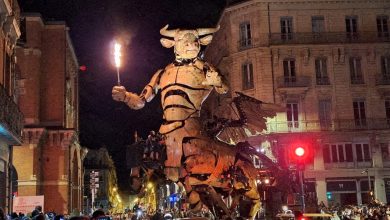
370, 193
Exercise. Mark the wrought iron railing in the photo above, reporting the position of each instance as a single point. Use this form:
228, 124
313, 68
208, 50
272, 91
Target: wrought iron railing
11, 118
312, 38
357, 80
383, 79
253, 42
328, 37
323, 80
331, 125
293, 81
348, 165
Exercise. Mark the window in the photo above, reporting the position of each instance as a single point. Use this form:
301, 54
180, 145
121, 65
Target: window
245, 35
338, 153
355, 69
247, 76
324, 111
385, 67
351, 26
381, 24
359, 113
289, 71
317, 24
385, 150
286, 28
292, 115
363, 153
387, 109
321, 71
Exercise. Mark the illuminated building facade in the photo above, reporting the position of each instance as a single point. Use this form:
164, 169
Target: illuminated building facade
328, 64
49, 161
11, 118
106, 196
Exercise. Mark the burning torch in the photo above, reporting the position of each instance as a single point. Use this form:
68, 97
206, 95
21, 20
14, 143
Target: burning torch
117, 59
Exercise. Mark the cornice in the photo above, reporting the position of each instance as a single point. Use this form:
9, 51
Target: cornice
61, 138
33, 135
34, 17
252, 3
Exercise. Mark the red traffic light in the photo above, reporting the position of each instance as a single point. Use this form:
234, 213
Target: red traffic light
83, 68
299, 151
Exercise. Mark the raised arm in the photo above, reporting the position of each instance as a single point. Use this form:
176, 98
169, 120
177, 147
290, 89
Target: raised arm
215, 79
133, 100
150, 90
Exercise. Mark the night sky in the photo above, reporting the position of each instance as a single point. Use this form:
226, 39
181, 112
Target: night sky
94, 24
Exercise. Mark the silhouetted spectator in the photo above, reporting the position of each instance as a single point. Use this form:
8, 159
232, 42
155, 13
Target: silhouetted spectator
97, 214
2, 214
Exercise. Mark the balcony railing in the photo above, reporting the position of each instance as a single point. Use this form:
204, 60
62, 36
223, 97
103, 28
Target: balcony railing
293, 81
249, 43
383, 79
334, 125
11, 118
357, 80
323, 80
348, 165
328, 37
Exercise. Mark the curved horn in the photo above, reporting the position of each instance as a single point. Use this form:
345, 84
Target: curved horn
204, 31
167, 33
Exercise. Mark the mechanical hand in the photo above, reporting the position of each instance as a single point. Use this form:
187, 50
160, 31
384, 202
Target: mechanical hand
120, 94
212, 79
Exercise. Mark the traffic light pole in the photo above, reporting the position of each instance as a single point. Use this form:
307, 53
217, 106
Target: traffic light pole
302, 190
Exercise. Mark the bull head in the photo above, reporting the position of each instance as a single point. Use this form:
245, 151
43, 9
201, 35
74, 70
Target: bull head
186, 42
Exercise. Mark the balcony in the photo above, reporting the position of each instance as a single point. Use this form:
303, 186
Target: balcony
249, 43
328, 37
357, 80
334, 125
348, 165
11, 119
322, 81
293, 81
382, 79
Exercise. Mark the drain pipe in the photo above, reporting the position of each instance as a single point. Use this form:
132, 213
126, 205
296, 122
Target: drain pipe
272, 56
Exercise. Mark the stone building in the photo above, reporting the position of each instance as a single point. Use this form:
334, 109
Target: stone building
49, 161
105, 185
328, 63
11, 118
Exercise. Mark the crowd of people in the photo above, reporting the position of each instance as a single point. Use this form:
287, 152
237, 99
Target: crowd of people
38, 214
168, 213
374, 210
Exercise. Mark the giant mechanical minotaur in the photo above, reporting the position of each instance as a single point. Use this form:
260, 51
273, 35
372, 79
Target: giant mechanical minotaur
205, 166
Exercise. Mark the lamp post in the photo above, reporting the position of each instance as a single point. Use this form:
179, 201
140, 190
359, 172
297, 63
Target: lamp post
370, 193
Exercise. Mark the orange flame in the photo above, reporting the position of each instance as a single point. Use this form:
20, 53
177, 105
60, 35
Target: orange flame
117, 54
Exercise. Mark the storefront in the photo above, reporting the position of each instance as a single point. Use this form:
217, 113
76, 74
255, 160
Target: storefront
348, 191
387, 189
342, 192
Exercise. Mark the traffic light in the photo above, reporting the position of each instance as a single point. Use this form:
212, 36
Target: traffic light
299, 151
299, 154
329, 195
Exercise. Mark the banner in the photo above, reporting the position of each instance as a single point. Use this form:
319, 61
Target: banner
26, 204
